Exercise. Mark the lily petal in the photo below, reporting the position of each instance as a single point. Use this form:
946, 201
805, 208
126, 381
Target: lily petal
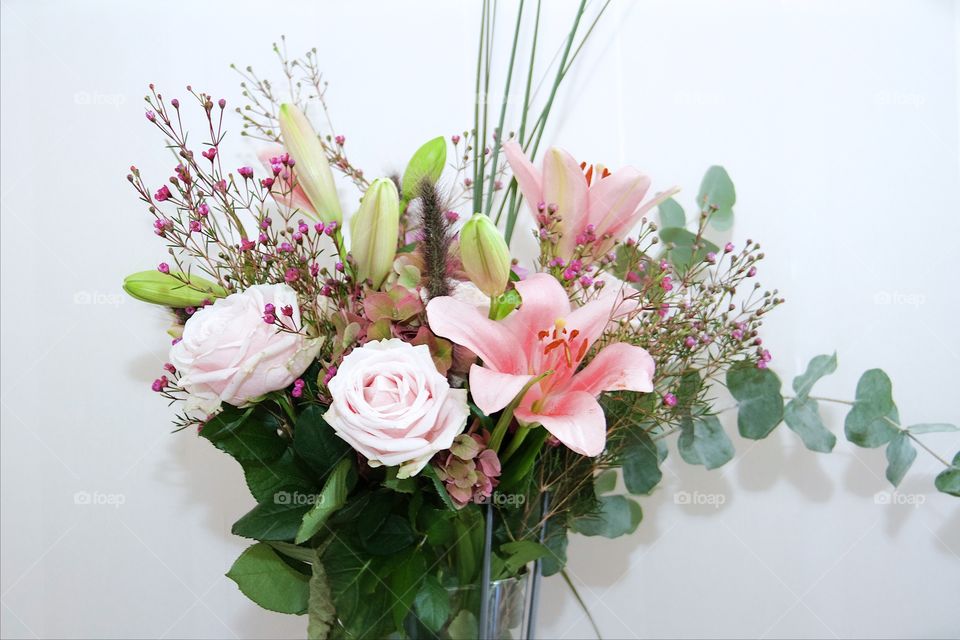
592, 318
565, 186
575, 418
492, 390
528, 178
614, 199
294, 198
465, 325
543, 301
622, 226
618, 367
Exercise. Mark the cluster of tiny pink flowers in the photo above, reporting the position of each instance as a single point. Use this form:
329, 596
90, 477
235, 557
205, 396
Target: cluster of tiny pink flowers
297, 390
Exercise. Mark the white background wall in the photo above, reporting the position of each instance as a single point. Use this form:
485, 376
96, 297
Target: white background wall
838, 122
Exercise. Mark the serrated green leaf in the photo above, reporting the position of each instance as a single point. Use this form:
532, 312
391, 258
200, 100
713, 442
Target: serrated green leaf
266, 479
265, 578
718, 195
641, 463
803, 418
245, 434
671, 214
703, 441
869, 422
317, 443
333, 496
758, 393
427, 162
296, 552
618, 515
432, 603
394, 535
932, 427
900, 456
439, 487
404, 583
520, 553
818, 367
320, 611
277, 519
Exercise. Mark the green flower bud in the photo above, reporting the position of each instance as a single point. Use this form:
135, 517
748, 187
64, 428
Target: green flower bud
485, 255
374, 230
161, 288
311, 168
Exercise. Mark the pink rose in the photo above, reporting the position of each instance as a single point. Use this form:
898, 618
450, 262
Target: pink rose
393, 406
229, 354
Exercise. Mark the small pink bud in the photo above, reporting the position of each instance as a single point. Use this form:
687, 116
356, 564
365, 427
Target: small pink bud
670, 400
163, 267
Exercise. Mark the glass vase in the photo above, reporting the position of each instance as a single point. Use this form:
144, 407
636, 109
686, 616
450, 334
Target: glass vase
506, 613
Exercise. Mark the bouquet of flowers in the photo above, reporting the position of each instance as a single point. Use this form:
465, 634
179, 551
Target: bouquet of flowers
422, 418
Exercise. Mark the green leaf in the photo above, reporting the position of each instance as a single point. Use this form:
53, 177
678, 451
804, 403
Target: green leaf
641, 463
758, 393
439, 487
948, 480
463, 626
605, 482
247, 434
521, 553
268, 580
932, 428
266, 479
718, 195
278, 519
404, 583
682, 254
671, 214
345, 569
900, 455
504, 304
321, 612
703, 441
317, 443
432, 603
802, 415
618, 516
427, 162
395, 535
869, 423
333, 496
819, 366
555, 541
296, 552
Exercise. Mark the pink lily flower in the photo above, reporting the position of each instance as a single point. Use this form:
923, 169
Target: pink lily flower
605, 206
295, 198
543, 335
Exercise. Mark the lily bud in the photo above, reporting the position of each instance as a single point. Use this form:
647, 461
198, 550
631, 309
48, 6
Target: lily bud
374, 230
312, 169
485, 255
165, 289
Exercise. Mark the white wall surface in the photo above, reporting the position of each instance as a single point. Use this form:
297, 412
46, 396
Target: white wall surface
838, 122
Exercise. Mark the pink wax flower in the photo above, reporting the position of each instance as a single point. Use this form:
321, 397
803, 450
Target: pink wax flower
611, 205
544, 335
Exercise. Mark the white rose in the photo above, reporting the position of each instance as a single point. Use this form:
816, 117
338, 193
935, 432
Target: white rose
229, 354
392, 405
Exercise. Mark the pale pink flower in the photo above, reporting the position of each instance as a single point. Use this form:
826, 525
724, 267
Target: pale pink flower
609, 205
545, 334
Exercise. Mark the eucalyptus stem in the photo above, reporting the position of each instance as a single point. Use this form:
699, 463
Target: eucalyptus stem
503, 113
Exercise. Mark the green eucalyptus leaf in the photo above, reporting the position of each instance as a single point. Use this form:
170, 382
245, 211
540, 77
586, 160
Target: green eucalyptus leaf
703, 441
932, 428
870, 423
718, 196
520, 553
605, 482
802, 415
682, 252
333, 496
427, 162
900, 456
819, 367
758, 393
641, 463
948, 480
671, 214
268, 580
555, 541
618, 515
320, 611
